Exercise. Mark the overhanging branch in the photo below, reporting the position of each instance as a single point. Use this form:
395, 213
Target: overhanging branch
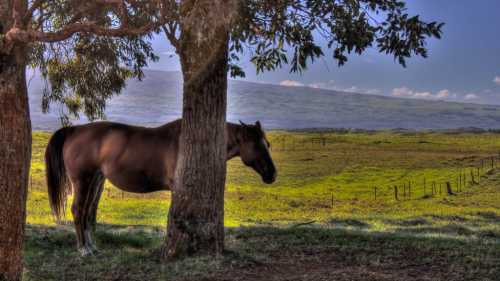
20, 34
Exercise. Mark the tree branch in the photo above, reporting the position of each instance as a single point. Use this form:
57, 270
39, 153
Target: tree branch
18, 10
27, 36
19, 34
169, 31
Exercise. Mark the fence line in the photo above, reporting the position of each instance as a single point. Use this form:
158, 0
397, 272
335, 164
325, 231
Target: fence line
452, 184
466, 177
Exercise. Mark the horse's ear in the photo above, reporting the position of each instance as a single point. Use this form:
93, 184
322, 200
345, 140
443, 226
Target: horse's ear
242, 124
258, 125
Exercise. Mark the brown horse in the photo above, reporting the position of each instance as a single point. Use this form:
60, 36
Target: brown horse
134, 159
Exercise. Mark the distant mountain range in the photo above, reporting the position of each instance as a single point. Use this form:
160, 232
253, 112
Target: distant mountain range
158, 99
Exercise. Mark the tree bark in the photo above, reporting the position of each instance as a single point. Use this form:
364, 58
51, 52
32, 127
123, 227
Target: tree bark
15, 156
196, 216
15, 151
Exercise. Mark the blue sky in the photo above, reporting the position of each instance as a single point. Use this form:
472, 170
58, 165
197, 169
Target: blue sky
463, 66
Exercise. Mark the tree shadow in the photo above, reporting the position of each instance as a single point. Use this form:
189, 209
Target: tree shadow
266, 253
489, 216
349, 223
418, 221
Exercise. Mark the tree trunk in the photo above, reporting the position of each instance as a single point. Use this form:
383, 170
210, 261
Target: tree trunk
15, 156
196, 216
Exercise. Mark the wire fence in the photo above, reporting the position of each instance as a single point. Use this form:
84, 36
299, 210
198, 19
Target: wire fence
424, 187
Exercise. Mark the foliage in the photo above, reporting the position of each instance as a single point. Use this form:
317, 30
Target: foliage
86, 69
92, 71
270, 28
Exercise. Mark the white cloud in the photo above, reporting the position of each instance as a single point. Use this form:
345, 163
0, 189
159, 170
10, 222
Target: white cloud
291, 83
496, 80
471, 96
372, 91
402, 92
423, 95
329, 85
332, 85
352, 89
443, 94
405, 92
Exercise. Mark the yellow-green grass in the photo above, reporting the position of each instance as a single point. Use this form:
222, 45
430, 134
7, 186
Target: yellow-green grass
323, 201
324, 183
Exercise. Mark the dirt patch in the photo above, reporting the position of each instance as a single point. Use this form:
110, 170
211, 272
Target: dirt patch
333, 264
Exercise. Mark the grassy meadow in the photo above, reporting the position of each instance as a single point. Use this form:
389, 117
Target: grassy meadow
320, 220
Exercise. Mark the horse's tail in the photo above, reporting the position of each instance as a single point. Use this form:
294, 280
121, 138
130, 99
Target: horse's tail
57, 181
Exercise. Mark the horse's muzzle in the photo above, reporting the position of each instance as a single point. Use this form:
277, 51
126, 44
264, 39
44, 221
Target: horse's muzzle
269, 179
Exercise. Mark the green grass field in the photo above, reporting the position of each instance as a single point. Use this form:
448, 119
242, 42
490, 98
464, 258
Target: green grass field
320, 219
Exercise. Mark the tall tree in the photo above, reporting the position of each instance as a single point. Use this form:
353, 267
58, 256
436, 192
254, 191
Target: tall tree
65, 40
210, 37
196, 216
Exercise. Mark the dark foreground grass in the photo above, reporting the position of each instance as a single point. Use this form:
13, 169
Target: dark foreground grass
309, 252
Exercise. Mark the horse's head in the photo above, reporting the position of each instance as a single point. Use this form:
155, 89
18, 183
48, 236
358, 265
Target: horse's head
254, 151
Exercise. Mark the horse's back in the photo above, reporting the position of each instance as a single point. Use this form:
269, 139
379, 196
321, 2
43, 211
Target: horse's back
133, 158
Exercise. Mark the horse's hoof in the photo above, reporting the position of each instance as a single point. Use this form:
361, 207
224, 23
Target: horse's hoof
85, 252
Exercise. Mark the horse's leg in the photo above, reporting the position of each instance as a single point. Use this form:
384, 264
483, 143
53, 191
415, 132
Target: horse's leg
80, 208
95, 204
98, 187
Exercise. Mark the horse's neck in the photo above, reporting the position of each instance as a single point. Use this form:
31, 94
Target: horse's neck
233, 145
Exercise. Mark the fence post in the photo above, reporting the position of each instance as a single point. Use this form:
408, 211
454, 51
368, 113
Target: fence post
332, 200
425, 188
440, 189
409, 189
375, 191
396, 193
448, 188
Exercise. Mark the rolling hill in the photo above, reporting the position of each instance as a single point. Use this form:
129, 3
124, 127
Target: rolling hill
157, 99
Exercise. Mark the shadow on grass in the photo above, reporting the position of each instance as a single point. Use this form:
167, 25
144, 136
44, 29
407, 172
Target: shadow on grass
263, 253
489, 216
349, 223
450, 229
409, 222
